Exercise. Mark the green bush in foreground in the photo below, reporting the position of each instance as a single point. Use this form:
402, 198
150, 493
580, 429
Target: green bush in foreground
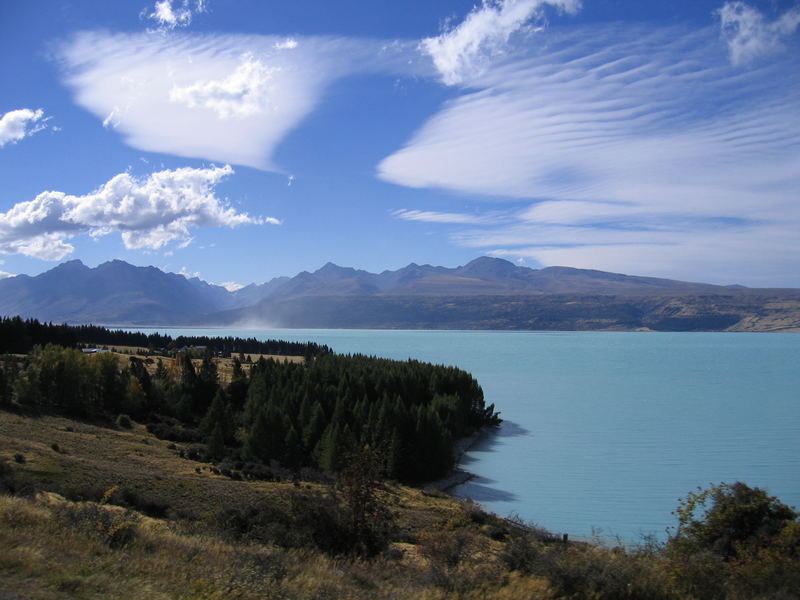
734, 522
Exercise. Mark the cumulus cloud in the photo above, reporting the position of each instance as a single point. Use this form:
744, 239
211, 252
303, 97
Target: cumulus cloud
242, 94
18, 124
188, 275
169, 14
231, 286
224, 98
750, 35
462, 51
5, 275
148, 213
628, 142
287, 44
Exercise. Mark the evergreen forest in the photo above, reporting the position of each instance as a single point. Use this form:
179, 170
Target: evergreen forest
262, 415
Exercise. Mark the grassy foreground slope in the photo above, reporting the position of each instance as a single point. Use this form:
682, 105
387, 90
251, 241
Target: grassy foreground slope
51, 547
152, 524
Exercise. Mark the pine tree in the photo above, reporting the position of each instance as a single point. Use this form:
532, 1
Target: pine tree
219, 416
329, 449
292, 450
255, 442
315, 427
207, 383
135, 398
161, 371
215, 447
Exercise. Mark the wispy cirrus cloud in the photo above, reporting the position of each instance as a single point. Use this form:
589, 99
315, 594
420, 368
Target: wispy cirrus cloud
464, 50
21, 123
148, 213
225, 98
623, 138
429, 216
611, 119
766, 255
750, 35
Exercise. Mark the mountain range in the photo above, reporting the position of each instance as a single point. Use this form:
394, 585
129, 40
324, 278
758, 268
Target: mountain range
487, 293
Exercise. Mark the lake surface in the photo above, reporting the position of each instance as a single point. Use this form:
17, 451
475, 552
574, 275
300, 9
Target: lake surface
603, 432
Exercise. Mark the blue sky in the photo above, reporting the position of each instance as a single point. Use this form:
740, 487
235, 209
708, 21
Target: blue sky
242, 140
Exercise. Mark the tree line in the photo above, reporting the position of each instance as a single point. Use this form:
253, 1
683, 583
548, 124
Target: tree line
19, 336
310, 414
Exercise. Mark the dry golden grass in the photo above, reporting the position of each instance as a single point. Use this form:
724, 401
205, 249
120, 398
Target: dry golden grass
90, 456
445, 550
45, 555
101, 457
50, 548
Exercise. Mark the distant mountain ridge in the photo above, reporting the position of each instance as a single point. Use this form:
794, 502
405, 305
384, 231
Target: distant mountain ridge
484, 293
483, 275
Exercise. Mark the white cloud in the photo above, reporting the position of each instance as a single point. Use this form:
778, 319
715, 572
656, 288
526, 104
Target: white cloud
189, 275
231, 286
224, 98
18, 124
243, 93
4, 275
462, 51
763, 256
148, 213
750, 35
169, 14
111, 120
287, 44
429, 216
633, 144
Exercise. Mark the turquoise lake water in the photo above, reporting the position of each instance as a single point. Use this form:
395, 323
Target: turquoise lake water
603, 432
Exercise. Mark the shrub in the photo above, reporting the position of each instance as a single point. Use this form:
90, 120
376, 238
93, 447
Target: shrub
55, 447
115, 527
194, 453
173, 431
520, 553
447, 548
739, 521
124, 422
19, 458
152, 507
8, 480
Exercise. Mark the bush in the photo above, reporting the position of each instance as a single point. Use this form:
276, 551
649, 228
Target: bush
152, 507
8, 479
124, 422
19, 458
734, 541
173, 431
520, 553
730, 521
593, 572
264, 523
115, 528
447, 549
118, 496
